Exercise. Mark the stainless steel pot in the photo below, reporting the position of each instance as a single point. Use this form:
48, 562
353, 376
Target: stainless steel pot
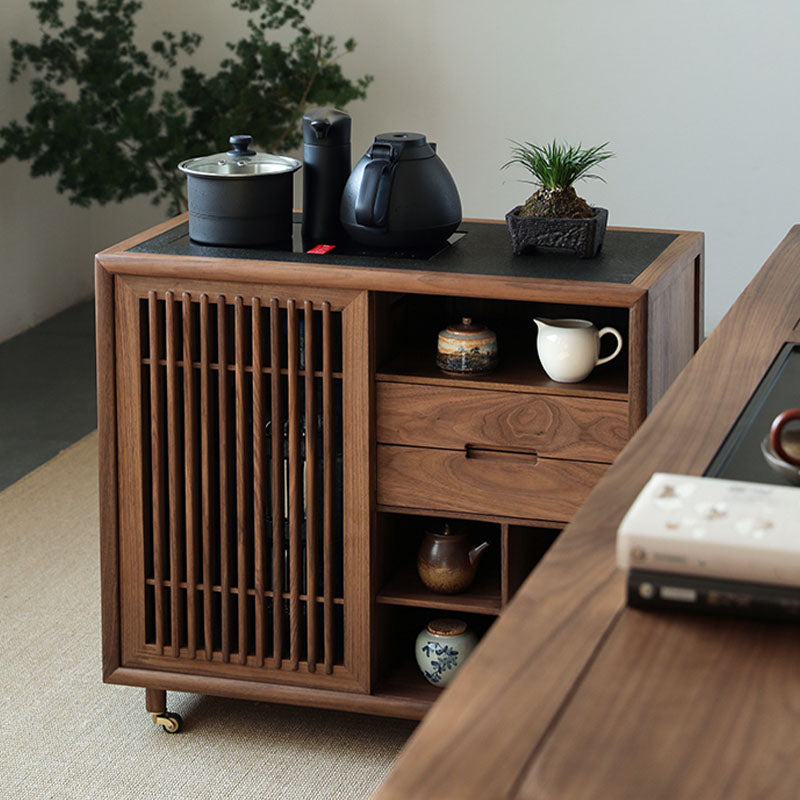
240, 198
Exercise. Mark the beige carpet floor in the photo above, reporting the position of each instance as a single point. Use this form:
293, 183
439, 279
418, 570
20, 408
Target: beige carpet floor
64, 734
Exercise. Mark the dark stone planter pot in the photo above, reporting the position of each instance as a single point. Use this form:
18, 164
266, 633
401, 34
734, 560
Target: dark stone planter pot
583, 236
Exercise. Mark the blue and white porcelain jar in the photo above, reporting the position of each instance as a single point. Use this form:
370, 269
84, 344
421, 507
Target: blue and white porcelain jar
442, 648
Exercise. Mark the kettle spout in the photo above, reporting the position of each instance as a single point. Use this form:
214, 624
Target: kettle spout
476, 552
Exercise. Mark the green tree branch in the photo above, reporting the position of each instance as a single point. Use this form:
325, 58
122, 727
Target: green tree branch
102, 121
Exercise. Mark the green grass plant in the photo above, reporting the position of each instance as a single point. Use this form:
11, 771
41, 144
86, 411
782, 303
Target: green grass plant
558, 166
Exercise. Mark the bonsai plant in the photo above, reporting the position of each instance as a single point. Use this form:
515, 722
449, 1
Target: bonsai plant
103, 122
554, 215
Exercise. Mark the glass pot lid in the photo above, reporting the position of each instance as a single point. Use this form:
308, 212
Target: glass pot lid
239, 162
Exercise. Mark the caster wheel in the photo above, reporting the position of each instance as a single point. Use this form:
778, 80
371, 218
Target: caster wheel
171, 723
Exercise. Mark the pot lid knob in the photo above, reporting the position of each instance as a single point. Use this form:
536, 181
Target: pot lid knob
468, 328
241, 145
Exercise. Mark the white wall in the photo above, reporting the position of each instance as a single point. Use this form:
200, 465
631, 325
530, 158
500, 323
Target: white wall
47, 246
697, 99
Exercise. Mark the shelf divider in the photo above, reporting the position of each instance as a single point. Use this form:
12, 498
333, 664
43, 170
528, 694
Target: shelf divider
406, 589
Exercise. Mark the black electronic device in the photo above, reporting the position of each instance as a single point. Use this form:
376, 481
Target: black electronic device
652, 590
400, 195
326, 168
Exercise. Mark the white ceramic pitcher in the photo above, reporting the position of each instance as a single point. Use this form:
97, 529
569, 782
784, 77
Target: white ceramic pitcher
569, 349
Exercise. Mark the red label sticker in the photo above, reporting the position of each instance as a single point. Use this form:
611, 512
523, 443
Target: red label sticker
321, 249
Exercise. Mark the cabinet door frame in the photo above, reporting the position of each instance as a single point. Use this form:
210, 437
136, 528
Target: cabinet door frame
124, 600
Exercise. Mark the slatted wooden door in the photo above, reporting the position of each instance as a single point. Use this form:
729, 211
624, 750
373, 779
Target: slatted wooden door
244, 481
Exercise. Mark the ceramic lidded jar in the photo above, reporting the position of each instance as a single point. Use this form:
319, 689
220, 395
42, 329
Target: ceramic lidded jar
442, 648
447, 562
467, 348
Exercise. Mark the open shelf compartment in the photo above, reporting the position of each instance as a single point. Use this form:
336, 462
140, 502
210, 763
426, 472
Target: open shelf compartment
409, 325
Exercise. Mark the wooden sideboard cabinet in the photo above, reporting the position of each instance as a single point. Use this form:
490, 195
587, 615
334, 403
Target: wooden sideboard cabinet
276, 438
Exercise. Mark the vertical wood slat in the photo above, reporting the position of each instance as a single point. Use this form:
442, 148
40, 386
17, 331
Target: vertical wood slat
190, 473
241, 479
206, 470
173, 464
276, 426
185, 508
158, 501
224, 484
295, 485
259, 509
329, 466
311, 489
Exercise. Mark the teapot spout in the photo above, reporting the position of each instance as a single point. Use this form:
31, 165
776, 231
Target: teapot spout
476, 552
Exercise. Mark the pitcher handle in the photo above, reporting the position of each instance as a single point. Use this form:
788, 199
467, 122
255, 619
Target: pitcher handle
616, 333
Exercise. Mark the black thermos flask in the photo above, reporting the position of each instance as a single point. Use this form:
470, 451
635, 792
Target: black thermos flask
326, 168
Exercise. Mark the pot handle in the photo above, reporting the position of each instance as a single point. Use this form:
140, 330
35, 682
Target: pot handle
372, 202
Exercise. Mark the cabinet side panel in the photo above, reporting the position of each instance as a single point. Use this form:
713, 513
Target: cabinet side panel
673, 330
107, 462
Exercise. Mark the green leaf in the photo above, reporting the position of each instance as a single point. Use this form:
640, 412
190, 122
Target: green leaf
558, 165
105, 122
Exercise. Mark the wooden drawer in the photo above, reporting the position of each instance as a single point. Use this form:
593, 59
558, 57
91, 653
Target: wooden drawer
586, 429
493, 483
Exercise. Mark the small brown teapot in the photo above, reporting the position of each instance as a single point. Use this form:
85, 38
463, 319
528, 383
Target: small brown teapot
446, 562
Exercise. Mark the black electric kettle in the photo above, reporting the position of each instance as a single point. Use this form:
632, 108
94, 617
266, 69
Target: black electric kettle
400, 195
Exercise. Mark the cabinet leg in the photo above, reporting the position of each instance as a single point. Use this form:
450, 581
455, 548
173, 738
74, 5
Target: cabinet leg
155, 700
156, 705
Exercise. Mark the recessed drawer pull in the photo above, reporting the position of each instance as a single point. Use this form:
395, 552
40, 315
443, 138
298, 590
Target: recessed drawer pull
474, 451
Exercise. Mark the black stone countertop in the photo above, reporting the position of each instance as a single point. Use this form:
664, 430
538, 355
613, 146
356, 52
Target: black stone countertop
478, 248
740, 458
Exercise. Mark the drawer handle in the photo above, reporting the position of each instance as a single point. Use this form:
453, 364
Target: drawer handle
480, 451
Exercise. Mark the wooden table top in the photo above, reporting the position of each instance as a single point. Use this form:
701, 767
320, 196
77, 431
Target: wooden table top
573, 695
481, 264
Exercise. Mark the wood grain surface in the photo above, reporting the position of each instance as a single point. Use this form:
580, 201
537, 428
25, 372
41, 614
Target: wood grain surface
116, 259
195, 351
107, 466
553, 426
570, 695
488, 482
698, 723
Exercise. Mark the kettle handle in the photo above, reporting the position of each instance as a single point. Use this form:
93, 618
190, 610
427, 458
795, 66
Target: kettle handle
372, 202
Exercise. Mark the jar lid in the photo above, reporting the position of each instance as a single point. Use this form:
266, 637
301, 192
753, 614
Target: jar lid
239, 162
466, 330
447, 627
